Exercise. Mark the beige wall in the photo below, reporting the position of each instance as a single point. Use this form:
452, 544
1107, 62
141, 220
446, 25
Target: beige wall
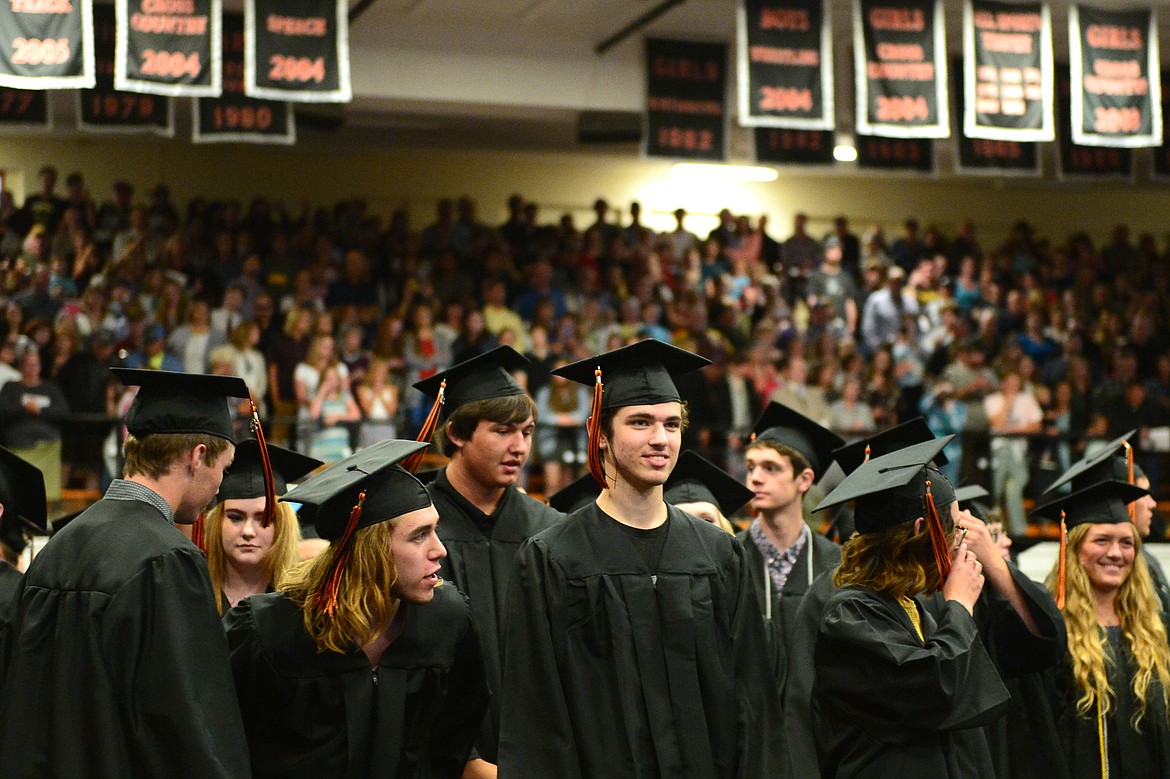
322, 172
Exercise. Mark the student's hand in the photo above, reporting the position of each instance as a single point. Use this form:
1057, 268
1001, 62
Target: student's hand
479, 769
977, 537
966, 580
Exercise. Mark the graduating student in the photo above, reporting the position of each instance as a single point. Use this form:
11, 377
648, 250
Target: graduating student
635, 645
1114, 461
704, 490
1109, 698
366, 663
488, 436
118, 666
22, 508
787, 456
245, 556
903, 682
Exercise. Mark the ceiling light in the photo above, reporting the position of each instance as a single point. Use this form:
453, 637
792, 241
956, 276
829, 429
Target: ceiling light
845, 154
710, 172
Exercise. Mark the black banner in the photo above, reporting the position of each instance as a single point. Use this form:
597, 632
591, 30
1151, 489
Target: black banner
785, 59
986, 156
1161, 155
169, 47
780, 146
915, 154
104, 109
234, 117
1113, 57
1008, 87
899, 51
24, 109
46, 44
686, 114
1086, 162
297, 50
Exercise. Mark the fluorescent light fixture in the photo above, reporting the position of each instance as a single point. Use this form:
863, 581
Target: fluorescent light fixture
844, 154
709, 172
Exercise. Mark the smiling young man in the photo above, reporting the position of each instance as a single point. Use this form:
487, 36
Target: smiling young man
119, 667
634, 642
362, 665
487, 434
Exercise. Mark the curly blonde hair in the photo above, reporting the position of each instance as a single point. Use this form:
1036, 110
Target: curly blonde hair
1141, 625
282, 557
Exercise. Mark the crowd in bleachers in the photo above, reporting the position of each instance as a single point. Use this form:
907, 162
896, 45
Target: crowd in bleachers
1033, 345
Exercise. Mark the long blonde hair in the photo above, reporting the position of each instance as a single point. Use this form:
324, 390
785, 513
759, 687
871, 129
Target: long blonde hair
1141, 625
364, 597
282, 557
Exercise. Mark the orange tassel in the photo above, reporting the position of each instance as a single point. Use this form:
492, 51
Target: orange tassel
326, 598
867, 453
938, 537
595, 467
265, 461
1061, 564
427, 431
199, 533
1129, 470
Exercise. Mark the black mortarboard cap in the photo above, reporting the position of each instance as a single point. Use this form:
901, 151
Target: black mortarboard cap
1105, 502
575, 495
970, 492
60, 522
640, 374
696, 479
171, 402
1104, 464
485, 376
914, 431
782, 425
22, 492
891, 489
245, 477
390, 490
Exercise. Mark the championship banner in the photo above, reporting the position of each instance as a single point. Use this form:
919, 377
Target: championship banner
24, 109
785, 60
234, 117
46, 44
297, 50
777, 146
169, 47
104, 109
1113, 58
1095, 163
1161, 155
900, 59
686, 115
916, 154
1007, 89
986, 156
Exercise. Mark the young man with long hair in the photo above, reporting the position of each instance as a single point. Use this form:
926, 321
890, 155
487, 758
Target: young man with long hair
635, 645
365, 663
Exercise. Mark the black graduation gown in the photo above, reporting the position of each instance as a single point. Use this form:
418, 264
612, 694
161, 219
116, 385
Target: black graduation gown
480, 557
887, 704
798, 684
119, 666
781, 624
10, 579
1158, 576
611, 673
313, 714
1133, 755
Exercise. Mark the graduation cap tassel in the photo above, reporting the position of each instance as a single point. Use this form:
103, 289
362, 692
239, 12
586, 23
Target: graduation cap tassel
868, 451
1129, 473
595, 467
199, 533
938, 537
427, 431
326, 599
266, 464
1061, 573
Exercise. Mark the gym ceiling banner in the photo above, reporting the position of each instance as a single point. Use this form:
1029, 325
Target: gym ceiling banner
1088, 163
988, 156
24, 109
780, 146
1116, 85
900, 58
1007, 87
169, 47
785, 59
686, 114
104, 109
233, 117
46, 44
297, 50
